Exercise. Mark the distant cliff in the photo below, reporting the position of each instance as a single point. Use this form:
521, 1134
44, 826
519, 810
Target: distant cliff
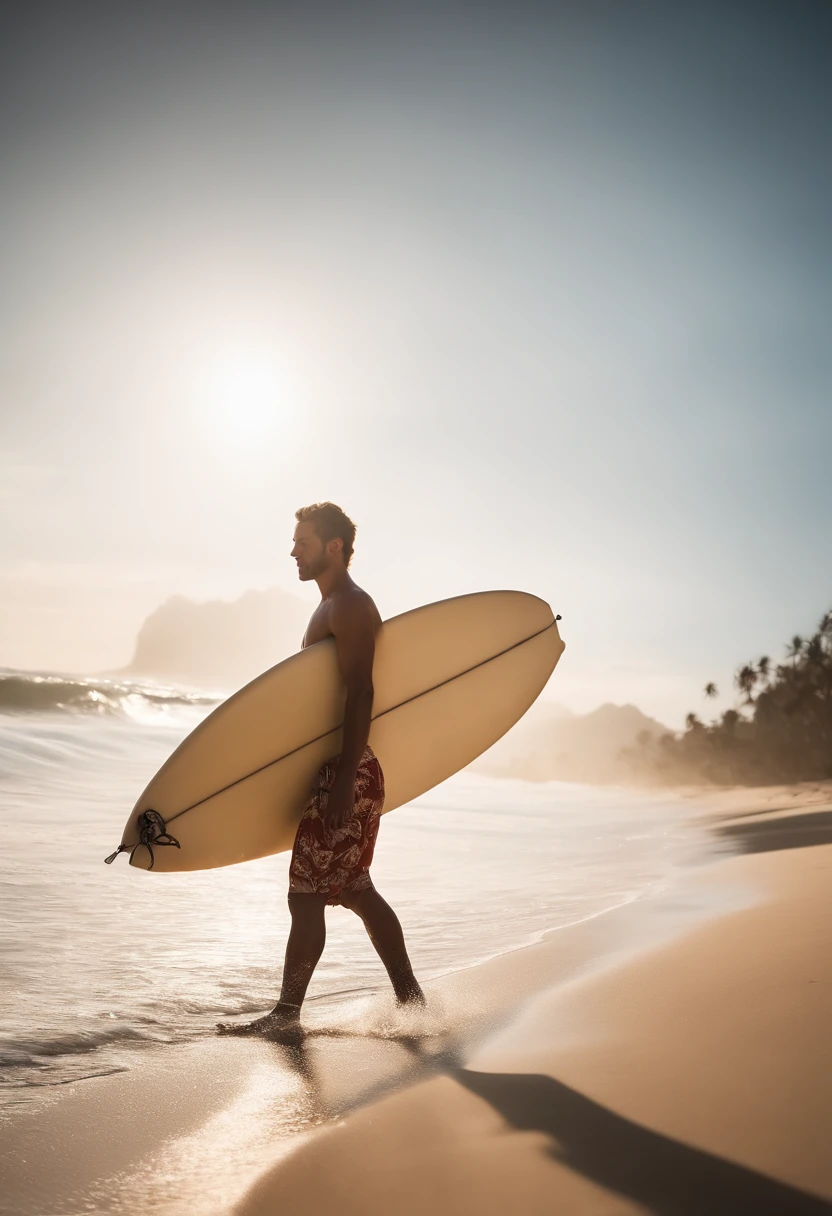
552, 744
219, 644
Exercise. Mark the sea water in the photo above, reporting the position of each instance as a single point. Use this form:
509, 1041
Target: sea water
99, 962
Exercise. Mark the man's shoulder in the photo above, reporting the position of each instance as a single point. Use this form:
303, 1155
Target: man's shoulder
353, 603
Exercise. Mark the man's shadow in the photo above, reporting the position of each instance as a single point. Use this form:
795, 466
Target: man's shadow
663, 1175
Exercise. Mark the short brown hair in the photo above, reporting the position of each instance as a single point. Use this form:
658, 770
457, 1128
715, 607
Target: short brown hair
330, 523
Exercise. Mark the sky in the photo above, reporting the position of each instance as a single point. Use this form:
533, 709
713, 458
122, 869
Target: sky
539, 293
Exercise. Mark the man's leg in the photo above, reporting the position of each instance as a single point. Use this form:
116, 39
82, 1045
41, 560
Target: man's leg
385, 932
303, 950
304, 947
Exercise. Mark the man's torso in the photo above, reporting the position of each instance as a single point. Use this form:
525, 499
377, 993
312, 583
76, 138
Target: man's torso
320, 622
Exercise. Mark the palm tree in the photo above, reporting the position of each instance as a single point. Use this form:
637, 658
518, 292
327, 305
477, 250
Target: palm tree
745, 679
780, 729
795, 649
814, 649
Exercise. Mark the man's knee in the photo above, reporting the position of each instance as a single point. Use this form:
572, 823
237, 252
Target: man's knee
305, 905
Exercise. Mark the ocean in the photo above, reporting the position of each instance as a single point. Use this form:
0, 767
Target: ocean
99, 963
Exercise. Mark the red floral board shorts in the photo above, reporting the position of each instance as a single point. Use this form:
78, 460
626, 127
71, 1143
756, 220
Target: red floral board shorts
336, 861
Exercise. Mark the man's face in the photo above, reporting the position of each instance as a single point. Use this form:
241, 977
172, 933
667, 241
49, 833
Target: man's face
310, 553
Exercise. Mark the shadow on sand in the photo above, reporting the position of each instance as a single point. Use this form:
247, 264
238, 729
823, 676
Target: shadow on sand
768, 835
664, 1176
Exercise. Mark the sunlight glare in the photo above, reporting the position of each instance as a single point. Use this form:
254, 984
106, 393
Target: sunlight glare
245, 394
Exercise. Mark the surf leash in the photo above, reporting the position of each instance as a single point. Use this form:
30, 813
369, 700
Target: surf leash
152, 830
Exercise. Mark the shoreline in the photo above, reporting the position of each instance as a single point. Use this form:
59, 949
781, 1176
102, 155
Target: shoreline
242, 1125
594, 861
687, 1077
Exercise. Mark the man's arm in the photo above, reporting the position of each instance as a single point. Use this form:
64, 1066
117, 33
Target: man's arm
353, 625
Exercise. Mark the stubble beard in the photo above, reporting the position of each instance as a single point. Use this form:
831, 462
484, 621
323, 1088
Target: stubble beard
313, 569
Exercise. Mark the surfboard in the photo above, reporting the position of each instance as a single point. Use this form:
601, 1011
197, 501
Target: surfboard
449, 679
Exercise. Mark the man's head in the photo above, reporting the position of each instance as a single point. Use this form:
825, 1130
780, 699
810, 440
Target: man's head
324, 536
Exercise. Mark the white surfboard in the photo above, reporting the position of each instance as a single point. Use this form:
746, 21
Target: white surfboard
450, 679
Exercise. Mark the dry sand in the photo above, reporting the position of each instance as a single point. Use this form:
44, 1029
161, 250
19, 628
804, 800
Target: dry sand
669, 1057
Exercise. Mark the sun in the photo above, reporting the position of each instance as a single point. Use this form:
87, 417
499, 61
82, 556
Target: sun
243, 393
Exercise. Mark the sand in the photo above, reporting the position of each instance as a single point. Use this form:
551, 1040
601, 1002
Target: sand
671, 1056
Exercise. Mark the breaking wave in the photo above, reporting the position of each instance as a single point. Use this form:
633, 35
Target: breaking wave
32, 692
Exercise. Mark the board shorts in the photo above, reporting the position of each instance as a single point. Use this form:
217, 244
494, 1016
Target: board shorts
336, 861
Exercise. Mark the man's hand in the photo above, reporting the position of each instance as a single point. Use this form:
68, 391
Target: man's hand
340, 801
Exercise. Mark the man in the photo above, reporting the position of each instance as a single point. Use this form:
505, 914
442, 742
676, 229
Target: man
336, 836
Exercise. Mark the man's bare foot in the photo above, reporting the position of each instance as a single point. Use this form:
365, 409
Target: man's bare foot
283, 1017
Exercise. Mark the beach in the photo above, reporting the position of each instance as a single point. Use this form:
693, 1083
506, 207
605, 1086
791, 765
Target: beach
668, 1055
415, 477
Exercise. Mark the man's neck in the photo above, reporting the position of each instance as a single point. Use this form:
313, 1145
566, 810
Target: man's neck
333, 580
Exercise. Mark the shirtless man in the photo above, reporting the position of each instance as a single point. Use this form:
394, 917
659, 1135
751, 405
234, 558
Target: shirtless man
336, 836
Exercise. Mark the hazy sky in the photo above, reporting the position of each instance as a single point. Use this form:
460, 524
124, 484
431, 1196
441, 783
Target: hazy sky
539, 293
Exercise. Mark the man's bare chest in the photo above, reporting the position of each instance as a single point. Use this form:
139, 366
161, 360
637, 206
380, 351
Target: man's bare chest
318, 627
